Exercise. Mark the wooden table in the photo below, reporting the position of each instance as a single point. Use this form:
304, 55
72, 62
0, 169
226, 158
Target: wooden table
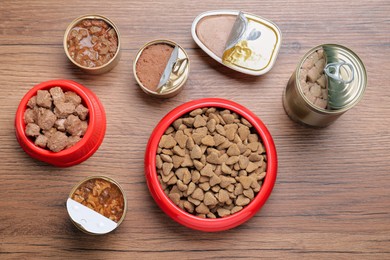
331, 199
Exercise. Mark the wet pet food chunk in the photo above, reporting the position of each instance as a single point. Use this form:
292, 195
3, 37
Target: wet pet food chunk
312, 79
55, 120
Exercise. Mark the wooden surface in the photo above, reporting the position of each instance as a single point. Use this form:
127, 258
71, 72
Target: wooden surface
331, 199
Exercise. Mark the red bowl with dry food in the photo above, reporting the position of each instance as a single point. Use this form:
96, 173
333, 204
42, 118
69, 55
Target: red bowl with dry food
73, 145
222, 176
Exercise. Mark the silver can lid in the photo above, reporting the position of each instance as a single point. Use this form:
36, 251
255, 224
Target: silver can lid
346, 76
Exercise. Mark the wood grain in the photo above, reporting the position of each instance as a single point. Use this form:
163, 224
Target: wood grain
332, 195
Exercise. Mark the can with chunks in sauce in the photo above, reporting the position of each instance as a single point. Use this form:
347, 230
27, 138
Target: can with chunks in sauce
328, 81
97, 205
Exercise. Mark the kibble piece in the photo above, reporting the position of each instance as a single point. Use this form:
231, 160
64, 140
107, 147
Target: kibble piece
226, 169
44, 99
178, 151
177, 161
57, 142
188, 206
233, 150
238, 189
198, 194
191, 188
213, 158
209, 199
211, 124
196, 152
214, 180
167, 167
187, 162
175, 197
82, 112
196, 112
166, 158
208, 140
223, 196
249, 193
245, 181
199, 121
181, 138
253, 146
203, 209
45, 118
236, 209
232, 160
242, 200
181, 186
243, 161
223, 212
205, 185
32, 129
243, 132
251, 167
167, 141
41, 141
252, 138
207, 170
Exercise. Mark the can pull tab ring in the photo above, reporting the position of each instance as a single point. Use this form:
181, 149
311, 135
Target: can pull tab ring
332, 70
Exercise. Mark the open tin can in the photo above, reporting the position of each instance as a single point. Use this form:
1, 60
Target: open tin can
161, 68
345, 78
110, 33
97, 205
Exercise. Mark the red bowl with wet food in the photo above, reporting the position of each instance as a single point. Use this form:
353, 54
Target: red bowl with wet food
210, 164
60, 122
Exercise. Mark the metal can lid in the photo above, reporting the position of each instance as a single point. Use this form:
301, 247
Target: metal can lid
251, 47
88, 219
176, 70
347, 77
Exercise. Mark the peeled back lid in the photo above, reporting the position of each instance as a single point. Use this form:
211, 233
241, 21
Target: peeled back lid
241, 41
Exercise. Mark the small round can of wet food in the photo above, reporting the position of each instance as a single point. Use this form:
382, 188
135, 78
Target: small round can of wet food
328, 81
92, 43
97, 205
161, 68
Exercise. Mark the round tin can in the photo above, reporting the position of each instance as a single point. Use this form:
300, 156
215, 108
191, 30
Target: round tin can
88, 220
300, 109
105, 67
176, 84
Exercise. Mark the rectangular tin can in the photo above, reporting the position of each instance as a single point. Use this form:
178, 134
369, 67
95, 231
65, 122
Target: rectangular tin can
300, 109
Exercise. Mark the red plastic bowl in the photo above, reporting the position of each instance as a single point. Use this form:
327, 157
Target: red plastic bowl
179, 215
86, 147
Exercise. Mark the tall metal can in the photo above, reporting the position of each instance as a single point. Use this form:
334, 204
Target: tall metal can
345, 78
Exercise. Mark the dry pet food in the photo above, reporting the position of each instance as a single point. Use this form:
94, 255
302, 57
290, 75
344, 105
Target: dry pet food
55, 120
92, 43
313, 80
211, 163
101, 196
